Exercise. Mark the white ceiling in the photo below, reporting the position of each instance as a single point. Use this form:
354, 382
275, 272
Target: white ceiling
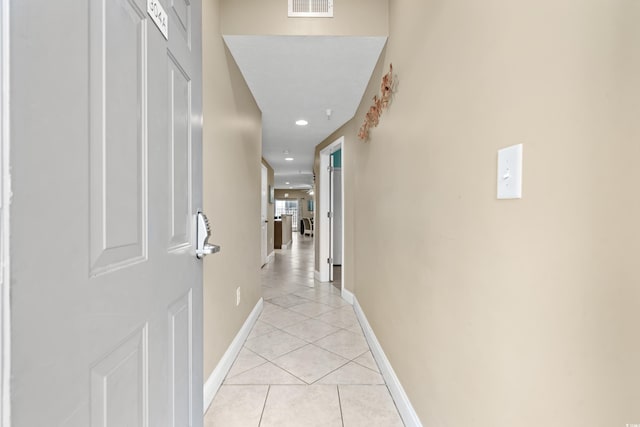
300, 77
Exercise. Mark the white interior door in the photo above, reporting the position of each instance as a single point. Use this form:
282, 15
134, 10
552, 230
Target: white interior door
5, 198
331, 219
336, 196
105, 156
264, 222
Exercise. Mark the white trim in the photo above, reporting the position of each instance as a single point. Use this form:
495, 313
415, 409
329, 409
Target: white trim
218, 375
348, 296
270, 258
401, 399
316, 275
5, 193
287, 245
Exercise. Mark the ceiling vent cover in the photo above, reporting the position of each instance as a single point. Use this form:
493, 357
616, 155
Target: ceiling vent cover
311, 8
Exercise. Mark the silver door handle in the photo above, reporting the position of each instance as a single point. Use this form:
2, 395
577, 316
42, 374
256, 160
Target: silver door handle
203, 232
208, 249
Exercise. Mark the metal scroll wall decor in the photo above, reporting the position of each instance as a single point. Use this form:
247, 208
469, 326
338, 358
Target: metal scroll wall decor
380, 103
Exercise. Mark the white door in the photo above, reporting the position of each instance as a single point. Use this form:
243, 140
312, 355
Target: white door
264, 221
336, 195
106, 322
331, 218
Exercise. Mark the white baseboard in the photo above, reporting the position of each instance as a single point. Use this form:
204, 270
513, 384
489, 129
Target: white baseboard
288, 244
348, 296
218, 375
269, 259
401, 399
316, 275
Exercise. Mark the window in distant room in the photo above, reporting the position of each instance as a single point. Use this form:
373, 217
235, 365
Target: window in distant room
288, 207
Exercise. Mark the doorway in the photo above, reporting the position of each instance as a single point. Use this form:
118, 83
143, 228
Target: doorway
264, 221
331, 214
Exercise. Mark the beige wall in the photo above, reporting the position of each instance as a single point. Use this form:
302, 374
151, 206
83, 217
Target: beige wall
232, 154
261, 17
271, 207
504, 313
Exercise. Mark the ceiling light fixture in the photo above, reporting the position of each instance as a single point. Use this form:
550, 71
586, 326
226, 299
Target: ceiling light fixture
287, 183
289, 159
302, 122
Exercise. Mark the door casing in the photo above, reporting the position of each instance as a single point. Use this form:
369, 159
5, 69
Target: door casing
324, 206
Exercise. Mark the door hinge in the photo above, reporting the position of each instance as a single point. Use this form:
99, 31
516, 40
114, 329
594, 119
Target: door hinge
330, 169
329, 260
329, 214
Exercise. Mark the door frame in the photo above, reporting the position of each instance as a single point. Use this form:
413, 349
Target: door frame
264, 208
324, 202
5, 195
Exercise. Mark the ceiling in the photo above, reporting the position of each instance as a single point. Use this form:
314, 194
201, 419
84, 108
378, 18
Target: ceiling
301, 77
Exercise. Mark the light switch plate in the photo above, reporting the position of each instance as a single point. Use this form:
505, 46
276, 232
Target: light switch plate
510, 172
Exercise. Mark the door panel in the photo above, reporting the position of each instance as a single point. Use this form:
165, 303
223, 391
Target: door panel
118, 135
182, 11
119, 387
181, 361
180, 150
106, 143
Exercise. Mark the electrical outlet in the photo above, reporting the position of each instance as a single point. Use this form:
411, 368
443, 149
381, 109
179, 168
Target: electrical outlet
238, 296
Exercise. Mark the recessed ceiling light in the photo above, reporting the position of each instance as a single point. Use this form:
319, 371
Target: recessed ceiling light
291, 188
302, 122
287, 183
289, 159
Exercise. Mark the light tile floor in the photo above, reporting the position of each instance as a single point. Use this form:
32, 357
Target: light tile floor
306, 362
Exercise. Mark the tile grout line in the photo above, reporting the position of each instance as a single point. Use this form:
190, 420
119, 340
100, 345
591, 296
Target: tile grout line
308, 344
243, 372
340, 404
329, 373
366, 367
394, 402
291, 373
333, 352
264, 405
340, 329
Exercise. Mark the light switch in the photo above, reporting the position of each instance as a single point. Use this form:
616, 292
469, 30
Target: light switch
510, 172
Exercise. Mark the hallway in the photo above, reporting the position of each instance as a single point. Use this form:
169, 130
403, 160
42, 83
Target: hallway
306, 362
